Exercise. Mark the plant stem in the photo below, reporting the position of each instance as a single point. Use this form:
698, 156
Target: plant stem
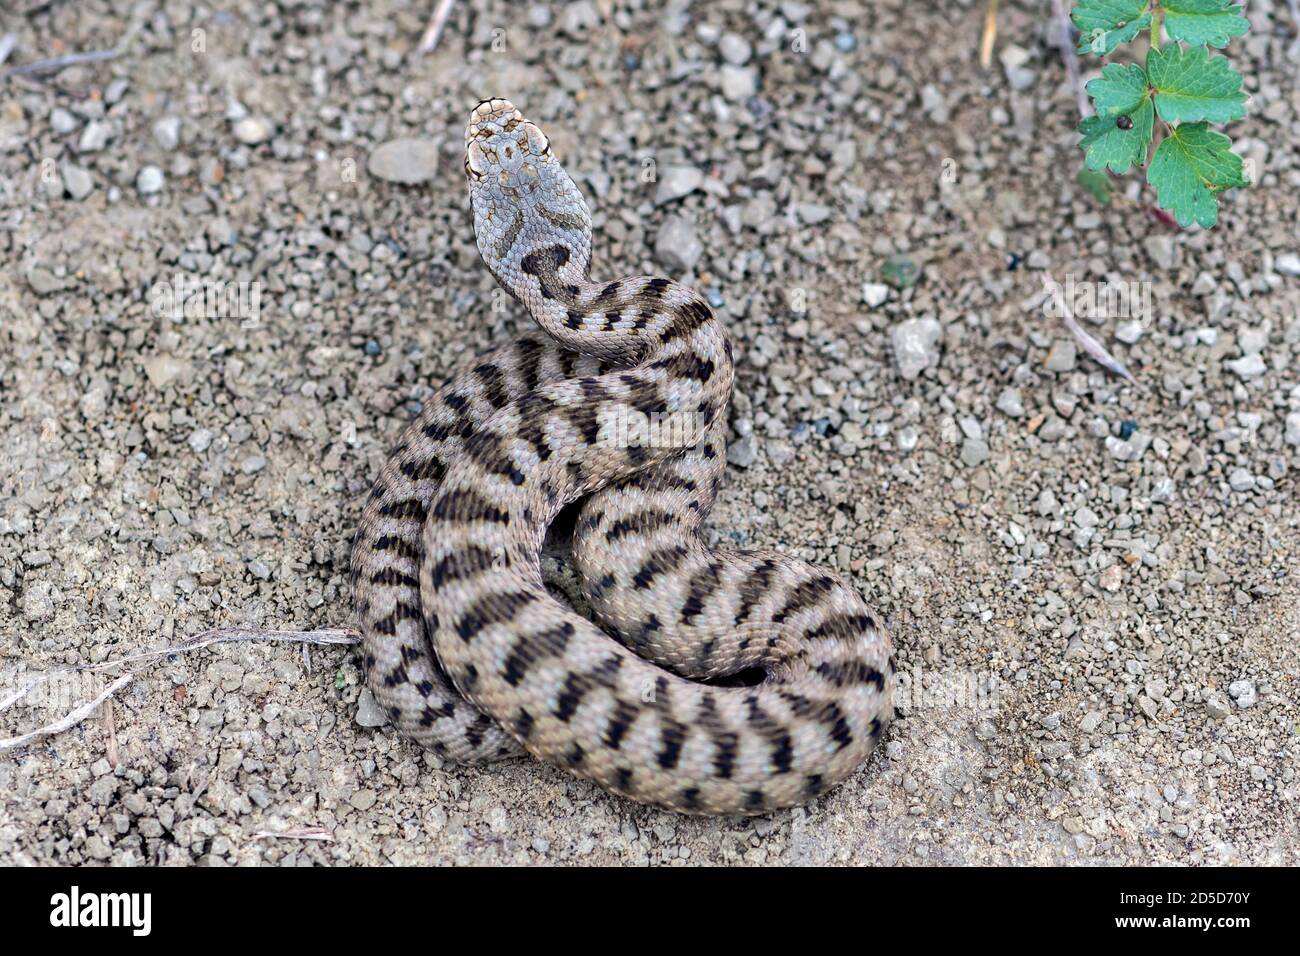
1157, 17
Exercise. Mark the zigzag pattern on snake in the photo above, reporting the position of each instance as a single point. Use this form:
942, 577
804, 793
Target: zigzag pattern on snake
621, 404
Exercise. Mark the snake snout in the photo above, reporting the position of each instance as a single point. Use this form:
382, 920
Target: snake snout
489, 116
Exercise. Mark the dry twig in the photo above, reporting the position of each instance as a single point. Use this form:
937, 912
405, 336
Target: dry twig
220, 635
990, 34
56, 63
433, 33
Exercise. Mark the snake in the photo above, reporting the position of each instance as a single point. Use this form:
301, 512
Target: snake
704, 680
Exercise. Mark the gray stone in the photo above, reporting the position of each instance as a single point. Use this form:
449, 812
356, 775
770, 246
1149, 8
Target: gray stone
405, 161
735, 49
743, 452
369, 713
1247, 367
874, 294
167, 132
1010, 403
677, 245
1062, 357
1292, 435
1288, 264
738, 83
1162, 251
915, 344
149, 181
77, 181
974, 451
252, 130
676, 182
94, 137
1243, 692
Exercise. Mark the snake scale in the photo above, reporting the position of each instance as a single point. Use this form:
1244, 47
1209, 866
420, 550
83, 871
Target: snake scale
621, 405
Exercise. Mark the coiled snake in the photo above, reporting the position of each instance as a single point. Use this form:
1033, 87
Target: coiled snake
623, 401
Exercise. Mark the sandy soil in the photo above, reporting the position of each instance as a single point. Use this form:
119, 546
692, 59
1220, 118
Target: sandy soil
1092, 585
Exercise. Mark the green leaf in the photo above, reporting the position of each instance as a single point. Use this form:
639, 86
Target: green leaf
1191, 167
1109, 146
1119, 89
1105, 24
1204, 22
1097, 183
1193, 85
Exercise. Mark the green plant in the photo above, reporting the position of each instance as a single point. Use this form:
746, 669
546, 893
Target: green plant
1170, 100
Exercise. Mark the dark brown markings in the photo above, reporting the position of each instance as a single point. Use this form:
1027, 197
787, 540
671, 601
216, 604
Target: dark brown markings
841, 625
687, 319
660, 561
813, 785
467, 562
686, 365
672, 736
623, 779
530, 357
641, 522
655, 288
424, 469
689, 799
528, 649
397, 545
806, 595
429, 714
467, 505
492, 609
700, 588
576, 687
523, 724
755, 800
754, 588
624, 715
475, 731
610, 293
584, 420
392, 577
404, 508
575, 756
439, 431
493, 384
849, 673
406, 612
831, 715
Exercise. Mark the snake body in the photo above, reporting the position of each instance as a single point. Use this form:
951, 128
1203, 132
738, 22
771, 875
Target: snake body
620, 404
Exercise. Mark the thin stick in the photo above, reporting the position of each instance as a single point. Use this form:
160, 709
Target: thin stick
1090, 345
304, 833
54, 64
220, 635
110, 731
990, 34
68, 720
1065, 40
433, 33
6, 46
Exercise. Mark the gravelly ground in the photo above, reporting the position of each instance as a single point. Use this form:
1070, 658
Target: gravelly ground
1093, 584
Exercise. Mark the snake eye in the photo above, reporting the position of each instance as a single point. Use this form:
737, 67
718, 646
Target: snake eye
538, 145
476, 164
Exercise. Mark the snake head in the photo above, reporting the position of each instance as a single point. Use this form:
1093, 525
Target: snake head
520, 194
504, 149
